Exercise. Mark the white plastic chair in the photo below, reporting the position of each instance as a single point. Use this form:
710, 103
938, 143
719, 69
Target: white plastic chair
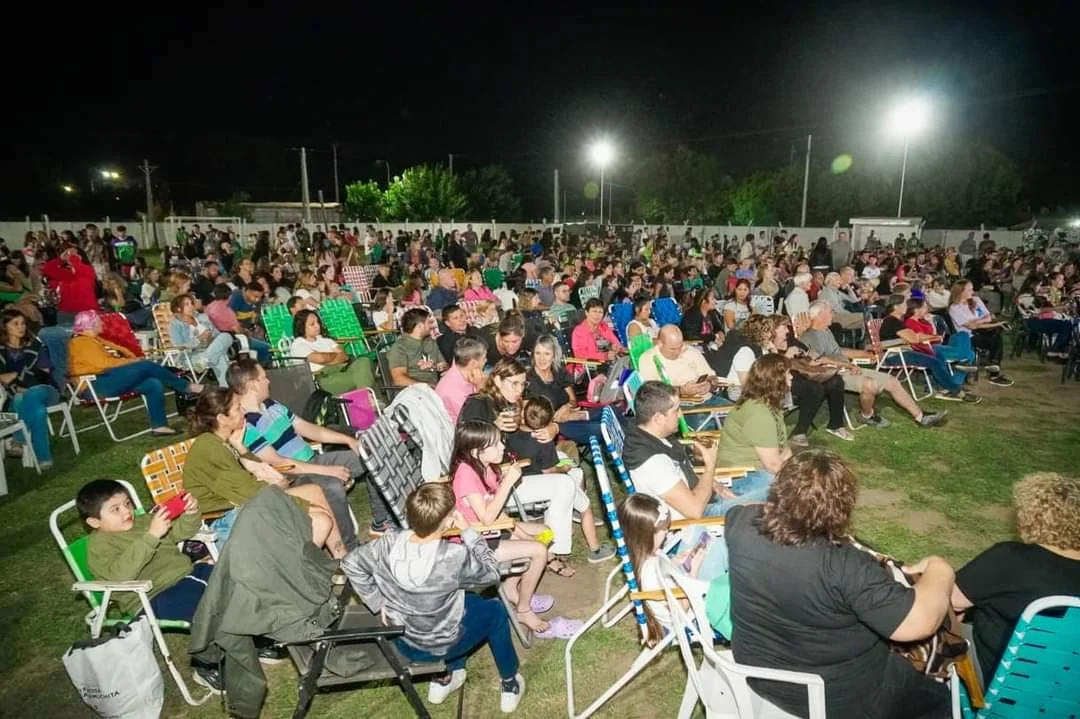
719, 682
10, 425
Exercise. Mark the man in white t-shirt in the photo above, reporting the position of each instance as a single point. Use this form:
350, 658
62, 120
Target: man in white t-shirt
798, 301
871, 271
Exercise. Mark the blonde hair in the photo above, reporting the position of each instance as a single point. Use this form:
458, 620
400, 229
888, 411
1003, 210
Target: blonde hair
1048, 510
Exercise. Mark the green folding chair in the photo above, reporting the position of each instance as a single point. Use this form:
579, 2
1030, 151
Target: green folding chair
279, 328
344, 326
639, 345
98, 593
494, 278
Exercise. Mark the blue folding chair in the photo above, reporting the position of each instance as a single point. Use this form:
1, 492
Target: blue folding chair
666, 312
621, 313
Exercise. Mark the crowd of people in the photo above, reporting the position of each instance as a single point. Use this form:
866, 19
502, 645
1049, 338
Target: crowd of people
511, 333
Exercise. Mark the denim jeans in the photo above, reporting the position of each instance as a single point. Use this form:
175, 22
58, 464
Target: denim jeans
939, 369
262, 349
335, 491
754, 487
179, 601
957, 350
56, 341
578, 431
222, 527
30, 406
215, 356
146, 378
715, 563
1061, 328
484, 620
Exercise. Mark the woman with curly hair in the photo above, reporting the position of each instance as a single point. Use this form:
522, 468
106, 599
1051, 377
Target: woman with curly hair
806, 599
996, 586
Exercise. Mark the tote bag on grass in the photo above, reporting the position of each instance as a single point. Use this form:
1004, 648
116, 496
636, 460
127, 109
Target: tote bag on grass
117, 674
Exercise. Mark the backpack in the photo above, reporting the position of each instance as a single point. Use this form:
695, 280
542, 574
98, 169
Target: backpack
611, 389
323, 409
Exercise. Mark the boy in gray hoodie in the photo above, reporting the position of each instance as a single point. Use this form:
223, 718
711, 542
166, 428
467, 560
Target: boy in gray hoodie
416, 579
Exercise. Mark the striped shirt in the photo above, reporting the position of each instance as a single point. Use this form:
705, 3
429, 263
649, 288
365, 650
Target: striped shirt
273, 427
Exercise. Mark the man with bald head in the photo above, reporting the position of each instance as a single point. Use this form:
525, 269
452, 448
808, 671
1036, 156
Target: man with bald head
683, 365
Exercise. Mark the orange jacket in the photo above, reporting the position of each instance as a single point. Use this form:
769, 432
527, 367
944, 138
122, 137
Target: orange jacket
87, 355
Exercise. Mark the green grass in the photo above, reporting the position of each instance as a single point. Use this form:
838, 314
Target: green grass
944, 491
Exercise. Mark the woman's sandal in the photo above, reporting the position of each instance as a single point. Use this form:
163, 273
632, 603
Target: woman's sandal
163, 432
559, 567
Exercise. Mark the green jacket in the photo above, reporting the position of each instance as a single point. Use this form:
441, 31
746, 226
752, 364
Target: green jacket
137, 554
215, 476
270, 580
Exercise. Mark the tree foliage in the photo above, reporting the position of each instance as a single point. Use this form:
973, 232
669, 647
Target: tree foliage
234, 206
364, 200
489, 193
424, 193
680, 186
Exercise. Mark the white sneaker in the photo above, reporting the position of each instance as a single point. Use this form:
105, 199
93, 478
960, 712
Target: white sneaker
509, 700
437, 693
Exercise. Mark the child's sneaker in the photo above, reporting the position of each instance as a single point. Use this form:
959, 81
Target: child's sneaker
512, 692
602, 553
437, 693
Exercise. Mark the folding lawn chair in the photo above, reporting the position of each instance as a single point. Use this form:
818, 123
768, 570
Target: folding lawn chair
894, 349
163, 472
98, 593
344, 326
714, 414
666, 312
171, 355
620, 314
639, 345
762, 304
279, 328
630, 591
587, 292
395, 470
719, 682
472, 315
1036, 676
109, 408
10, 425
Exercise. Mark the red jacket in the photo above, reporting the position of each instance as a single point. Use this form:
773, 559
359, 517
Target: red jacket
74, 283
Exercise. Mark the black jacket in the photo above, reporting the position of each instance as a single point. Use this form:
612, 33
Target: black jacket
640, 446
695, 326
735, 341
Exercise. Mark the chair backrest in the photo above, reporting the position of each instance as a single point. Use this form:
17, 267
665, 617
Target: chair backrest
762, 304
873, 331
1037, 672
625, 562
292, 385
587, 292
621, 313
358, 279
614, 440
639, 345
74, 551
163, 470
341, 322
279, 326
162, 317
631, 386
666, 311
393, 468
459, 278
532, 284
494, 278
473, 317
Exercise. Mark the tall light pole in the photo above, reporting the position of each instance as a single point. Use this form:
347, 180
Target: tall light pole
601, 153
907, 118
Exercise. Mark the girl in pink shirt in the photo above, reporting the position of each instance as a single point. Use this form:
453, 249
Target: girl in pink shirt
481, 493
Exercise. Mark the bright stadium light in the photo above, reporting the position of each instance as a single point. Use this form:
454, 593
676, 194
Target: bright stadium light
67, 188
602, 153
907, 118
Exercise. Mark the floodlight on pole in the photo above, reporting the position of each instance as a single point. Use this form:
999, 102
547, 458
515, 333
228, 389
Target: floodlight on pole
67, 188
907, 118
602, 153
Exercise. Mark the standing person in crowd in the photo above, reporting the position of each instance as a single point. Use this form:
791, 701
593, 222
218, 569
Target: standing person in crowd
969, 314
805, 599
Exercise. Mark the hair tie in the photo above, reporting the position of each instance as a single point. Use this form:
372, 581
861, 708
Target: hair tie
663, 514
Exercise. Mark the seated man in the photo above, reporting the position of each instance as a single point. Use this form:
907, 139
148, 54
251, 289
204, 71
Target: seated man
465, 376
683, 366
456, 326
832, 294
867, 383
798, 301
415, 356
445, 294
661, 467
561, 306
277, 436
224, 318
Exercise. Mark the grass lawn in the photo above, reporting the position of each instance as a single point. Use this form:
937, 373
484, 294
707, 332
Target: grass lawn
944, 491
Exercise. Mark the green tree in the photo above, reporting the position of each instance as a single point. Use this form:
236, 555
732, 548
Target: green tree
364, 200
489, 193
679, 186
424, 193
752, 199
234, 206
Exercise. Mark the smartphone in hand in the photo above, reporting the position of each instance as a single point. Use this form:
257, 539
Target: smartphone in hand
702, 543
174, 507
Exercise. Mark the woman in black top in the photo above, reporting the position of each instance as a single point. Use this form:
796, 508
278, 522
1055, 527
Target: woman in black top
703, 322
24, 373
893, 328
548, 378
821, 256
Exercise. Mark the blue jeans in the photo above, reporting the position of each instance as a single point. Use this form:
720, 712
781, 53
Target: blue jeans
580, 430
957, 350
485, 620
754, 487
30, 406
939, 369
146, 378
222, 527
215, 356
262, 350
179, 601
56, 341
1061, 328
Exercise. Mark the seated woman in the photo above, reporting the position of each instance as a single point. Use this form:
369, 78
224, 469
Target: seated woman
594, 339
336, 373
702, 322
195, 333
549, 378
738, 309
487, 311
25, 376
499, 403
996, 586
645, 521
117, 297
642, 322
893, 328
754, 433
918, 319
1041, 317
222, 474
805, 599
383, 310
969, 314
119, 371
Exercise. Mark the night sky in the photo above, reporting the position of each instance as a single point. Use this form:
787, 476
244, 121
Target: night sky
216, 99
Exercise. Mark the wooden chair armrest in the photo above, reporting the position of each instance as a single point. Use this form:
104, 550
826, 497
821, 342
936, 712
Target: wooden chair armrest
726, 471
706, 521
496, 526
582, 362
711, 409
346, 340
522, 463
96, 585
965, 669
656, 595
704, 434
216, 514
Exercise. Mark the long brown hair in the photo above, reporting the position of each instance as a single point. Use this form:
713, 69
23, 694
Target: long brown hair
504, 369
957, 291
213, 401
812, 497
640, 519
470, 436
767, 381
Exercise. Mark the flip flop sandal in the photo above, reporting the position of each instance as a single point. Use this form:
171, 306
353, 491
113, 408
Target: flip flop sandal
561, 568
541, 603
560, 628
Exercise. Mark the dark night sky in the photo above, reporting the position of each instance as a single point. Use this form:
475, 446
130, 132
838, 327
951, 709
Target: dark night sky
216, 98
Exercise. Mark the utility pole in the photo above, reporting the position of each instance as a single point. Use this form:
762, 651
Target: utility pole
556, 197
147, 168
806, 179
305, 193
451, 164
337, 183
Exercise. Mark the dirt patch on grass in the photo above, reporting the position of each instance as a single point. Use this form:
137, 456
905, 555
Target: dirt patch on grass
922, 520
998, 513
872, 498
